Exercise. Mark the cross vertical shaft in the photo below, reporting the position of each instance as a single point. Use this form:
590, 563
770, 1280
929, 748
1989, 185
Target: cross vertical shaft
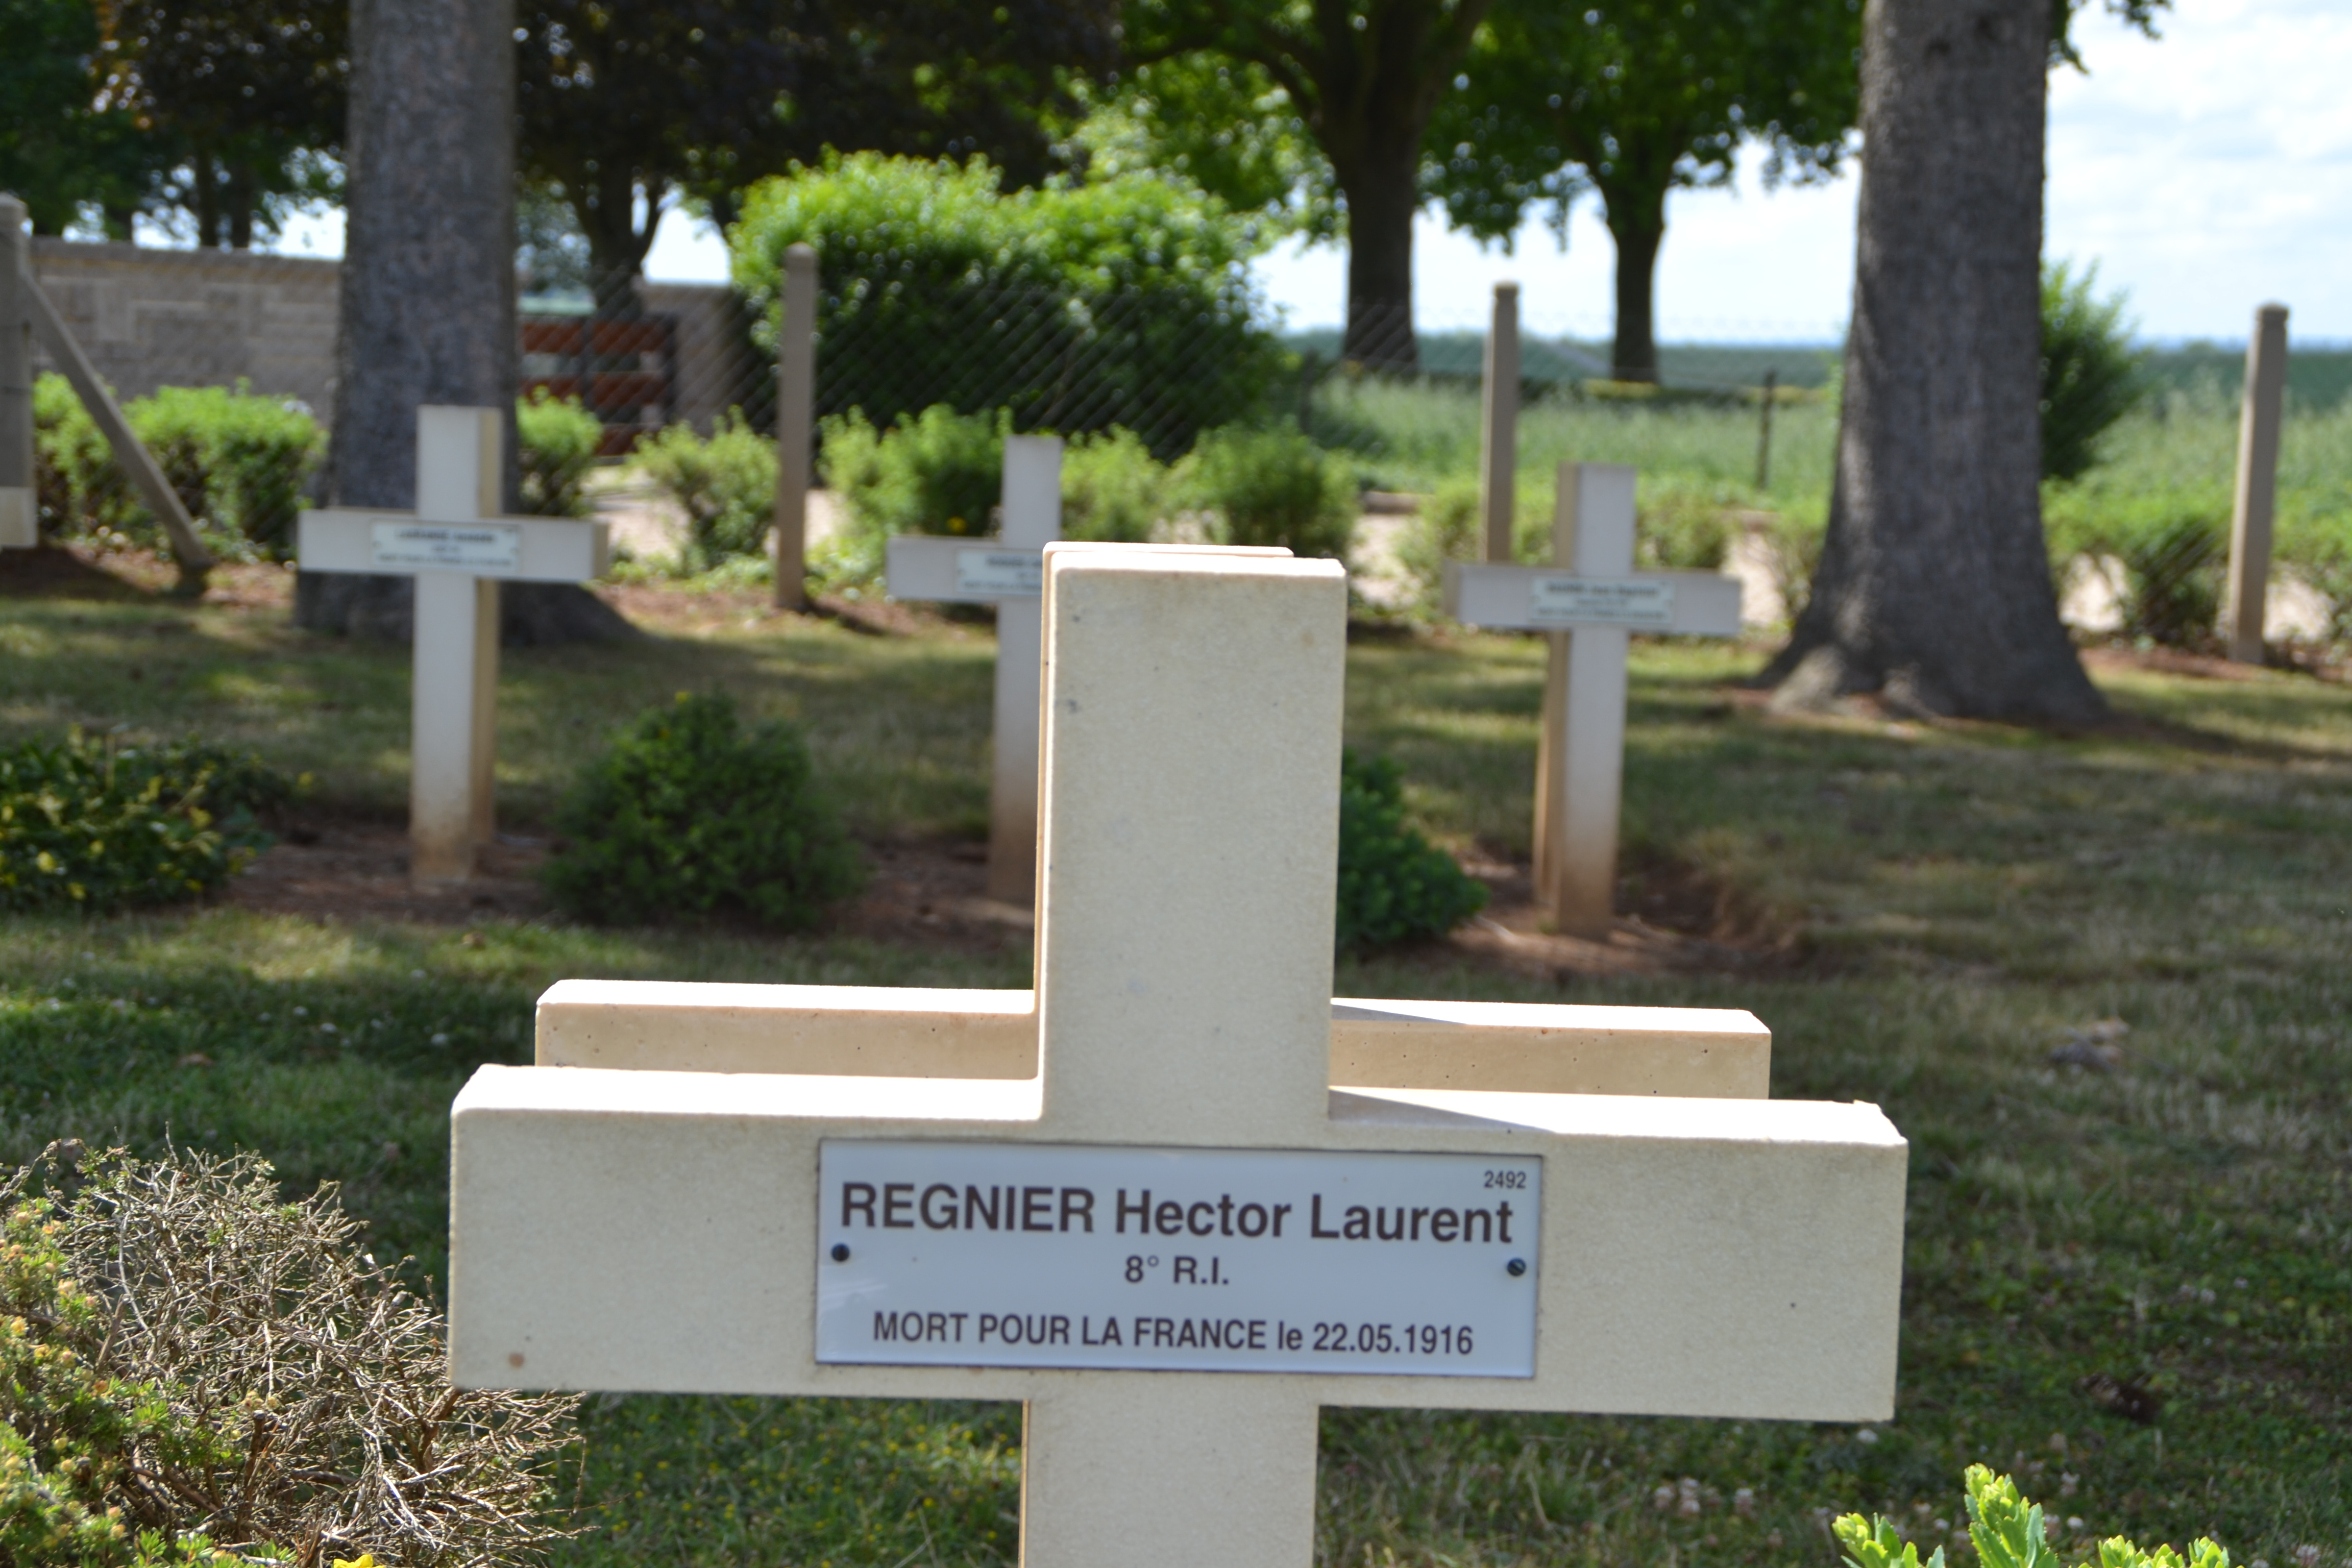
1032, 518
1580, 767
459, 461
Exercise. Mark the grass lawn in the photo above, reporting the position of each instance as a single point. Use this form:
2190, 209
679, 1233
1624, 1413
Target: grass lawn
1943, 904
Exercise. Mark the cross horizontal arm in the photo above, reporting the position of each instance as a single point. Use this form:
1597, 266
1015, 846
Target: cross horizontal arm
659, 1231
961, 571
401, 544
879, 1031
1548, 598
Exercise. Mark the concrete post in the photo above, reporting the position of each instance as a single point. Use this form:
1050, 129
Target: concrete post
2257, 497
1498, 454
1031, 520
795, 422
1580, 767
19, 517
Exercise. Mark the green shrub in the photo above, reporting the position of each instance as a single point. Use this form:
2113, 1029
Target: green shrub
556, 443
1447, 527
187, 1359
241, 464
1684, 528
2319, 553
689, 814
726, 486
1394, 884
2091, 377
2008, 1531
940, 473
1272, 484
1121, 302
87, 826
1113, 488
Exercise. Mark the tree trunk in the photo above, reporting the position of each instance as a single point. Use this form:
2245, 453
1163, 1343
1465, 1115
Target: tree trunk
204, 190
1934, 588
616, 248
1638, 225
241, 203
428, 305
1383, 196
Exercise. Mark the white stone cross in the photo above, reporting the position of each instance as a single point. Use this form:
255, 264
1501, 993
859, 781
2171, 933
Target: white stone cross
459, 549
1006, 572
1176, 1238
1591, 599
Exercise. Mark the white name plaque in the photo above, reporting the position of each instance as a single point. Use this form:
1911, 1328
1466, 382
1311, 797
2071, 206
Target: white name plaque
457, 546
1200, 1259
1600, 602
1002, 572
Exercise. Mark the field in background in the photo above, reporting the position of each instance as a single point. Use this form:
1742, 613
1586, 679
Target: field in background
1936, 909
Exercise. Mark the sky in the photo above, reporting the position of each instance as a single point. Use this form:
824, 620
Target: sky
2205, 173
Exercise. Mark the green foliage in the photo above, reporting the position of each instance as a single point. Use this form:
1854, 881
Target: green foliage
1272, 484
241, 463
91, 827
1446, 529
932, 278
2091, 377
1684, 528
1225, 126
726, 486
556, 442
942, 472
2008, 1531
688, 814
58, 148
69, 1431
1113, 488
1394, 884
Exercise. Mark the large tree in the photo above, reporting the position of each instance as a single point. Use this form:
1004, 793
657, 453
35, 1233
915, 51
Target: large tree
1363, 78
628, 105
59, 147
241, 104
1934, 589
1634, 98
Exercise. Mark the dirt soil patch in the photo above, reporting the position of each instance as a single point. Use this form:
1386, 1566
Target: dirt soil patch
932, 893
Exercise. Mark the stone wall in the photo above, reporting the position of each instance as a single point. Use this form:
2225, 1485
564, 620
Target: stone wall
197, 318
211, 318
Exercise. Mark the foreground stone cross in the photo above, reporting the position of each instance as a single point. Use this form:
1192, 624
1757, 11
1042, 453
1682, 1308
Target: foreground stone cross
1006, 572
1591, 599
459, 549
1178, 1240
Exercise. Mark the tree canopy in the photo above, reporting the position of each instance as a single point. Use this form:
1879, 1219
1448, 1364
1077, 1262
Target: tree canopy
662, 99
1362, 77
58, 148
1634, 99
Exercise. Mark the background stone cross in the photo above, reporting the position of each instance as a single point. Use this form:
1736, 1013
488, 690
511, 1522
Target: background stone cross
702, 1231
1591, 599
459, 549
1006, 572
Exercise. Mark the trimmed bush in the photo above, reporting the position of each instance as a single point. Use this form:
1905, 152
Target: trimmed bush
1394, 884
91, 827
1124, 301
689, 814
726, 486
194, 1371
1272, 484
942, 472
556, 441
242, 465
1113, 488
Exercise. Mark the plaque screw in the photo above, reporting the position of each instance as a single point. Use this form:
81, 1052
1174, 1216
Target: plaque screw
1515, 1267
841, 1253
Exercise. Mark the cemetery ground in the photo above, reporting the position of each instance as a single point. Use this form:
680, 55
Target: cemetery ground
2129, 1248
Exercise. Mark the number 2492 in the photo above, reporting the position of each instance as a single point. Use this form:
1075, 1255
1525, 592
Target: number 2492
1506, 1179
